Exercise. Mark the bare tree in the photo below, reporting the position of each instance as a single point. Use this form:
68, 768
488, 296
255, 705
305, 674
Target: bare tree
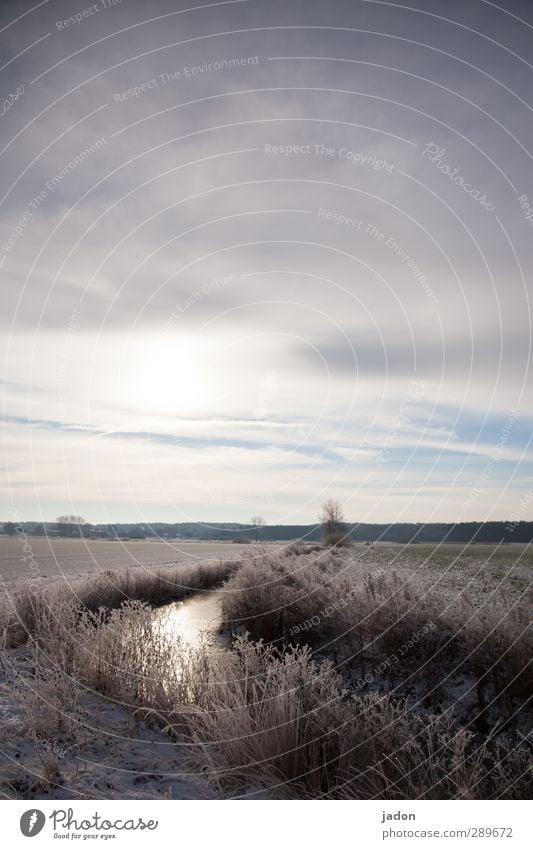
332, 522
69, 525
9, 528
258, 522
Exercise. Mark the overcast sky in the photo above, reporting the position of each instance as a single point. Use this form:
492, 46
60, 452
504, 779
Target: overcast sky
256, 254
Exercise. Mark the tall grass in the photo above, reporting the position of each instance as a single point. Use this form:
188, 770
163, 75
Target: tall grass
390, 632
268, 722
274, 594
20, 611
274, 719
285, 726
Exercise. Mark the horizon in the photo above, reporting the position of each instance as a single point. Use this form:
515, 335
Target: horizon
213, 522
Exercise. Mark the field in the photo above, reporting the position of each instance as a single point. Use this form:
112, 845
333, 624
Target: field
58, 559
387, 672
74, 558
475, 571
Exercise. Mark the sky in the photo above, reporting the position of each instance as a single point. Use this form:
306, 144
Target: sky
254, 255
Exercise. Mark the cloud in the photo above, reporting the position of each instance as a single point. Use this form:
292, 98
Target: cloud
353, 263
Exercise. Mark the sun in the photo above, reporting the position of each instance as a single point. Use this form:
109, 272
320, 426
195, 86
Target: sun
166, 377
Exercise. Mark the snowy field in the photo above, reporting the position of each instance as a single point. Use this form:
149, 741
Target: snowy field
52, 559
482, 567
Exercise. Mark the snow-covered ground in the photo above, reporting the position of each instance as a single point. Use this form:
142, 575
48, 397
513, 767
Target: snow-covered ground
24, 558
110, 754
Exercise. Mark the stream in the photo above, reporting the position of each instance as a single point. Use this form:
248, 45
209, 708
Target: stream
194, 618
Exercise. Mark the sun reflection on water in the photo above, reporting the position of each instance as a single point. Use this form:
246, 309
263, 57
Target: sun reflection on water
194, 620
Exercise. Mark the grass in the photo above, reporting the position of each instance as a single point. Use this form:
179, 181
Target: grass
282, 714
278, 722
393, 632
21, 610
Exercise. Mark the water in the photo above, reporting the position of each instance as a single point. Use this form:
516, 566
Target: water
194, 619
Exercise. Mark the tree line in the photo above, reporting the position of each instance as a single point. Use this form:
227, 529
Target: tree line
330, 528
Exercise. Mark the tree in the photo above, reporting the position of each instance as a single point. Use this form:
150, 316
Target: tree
69, 525
71, 520
332, 522
9, 528
258, 522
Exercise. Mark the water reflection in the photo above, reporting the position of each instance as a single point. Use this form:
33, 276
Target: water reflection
194, 619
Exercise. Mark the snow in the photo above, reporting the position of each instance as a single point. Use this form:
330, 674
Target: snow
116, 756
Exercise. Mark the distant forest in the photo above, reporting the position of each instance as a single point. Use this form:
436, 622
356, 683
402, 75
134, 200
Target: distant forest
234, 532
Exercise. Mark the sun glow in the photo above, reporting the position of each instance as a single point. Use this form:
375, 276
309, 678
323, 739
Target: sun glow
168, 377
